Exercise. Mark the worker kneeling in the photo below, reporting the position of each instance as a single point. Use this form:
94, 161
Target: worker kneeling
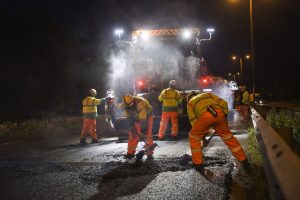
207, 110
139, 112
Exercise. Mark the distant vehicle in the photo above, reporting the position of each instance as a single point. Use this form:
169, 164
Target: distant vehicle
263, 98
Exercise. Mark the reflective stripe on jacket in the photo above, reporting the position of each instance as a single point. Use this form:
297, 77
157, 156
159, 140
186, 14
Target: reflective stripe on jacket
89, 107
199, 103
171, 99
140, 109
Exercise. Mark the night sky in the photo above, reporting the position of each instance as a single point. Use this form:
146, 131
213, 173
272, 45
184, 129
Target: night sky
52, 52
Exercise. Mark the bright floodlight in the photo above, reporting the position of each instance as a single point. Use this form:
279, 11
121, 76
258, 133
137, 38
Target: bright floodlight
119, 32
145, 36
234, 57
187, 34
210, 30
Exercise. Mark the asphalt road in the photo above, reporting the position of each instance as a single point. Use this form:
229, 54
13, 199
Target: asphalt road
60, 168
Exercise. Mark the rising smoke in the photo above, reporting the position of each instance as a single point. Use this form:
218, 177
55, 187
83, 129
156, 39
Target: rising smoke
156, 61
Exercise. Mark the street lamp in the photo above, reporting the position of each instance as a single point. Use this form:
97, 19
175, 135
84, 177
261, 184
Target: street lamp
119, 32
234, 75
241, 64
252, 45
199, 40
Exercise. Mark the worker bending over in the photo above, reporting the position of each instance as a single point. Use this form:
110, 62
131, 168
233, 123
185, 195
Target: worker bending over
139, 112
207, 110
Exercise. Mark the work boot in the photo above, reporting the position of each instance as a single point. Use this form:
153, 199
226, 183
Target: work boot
82, 141
199, 168
95, 141
247, 166
130, 158
150, 157
174, 137
185, 160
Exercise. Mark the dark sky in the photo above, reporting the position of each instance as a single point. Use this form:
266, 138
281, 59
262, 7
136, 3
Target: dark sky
39, 37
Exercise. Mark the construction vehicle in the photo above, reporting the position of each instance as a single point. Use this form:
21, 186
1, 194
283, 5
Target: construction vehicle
153, 58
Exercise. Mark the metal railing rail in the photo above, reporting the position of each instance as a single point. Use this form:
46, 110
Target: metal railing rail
281, 164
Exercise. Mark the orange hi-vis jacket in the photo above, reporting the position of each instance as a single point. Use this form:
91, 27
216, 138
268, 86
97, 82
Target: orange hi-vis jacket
89, 107
199, 103
171, 99
140, 109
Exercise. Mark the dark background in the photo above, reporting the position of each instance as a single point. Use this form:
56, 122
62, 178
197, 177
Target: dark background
53, 52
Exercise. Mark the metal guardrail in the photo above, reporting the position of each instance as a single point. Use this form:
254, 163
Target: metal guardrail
289, 120
282, 166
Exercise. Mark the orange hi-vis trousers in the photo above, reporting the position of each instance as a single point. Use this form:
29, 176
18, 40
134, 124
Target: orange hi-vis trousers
89, 128
220, 124
165, 117
134, 136
244, 111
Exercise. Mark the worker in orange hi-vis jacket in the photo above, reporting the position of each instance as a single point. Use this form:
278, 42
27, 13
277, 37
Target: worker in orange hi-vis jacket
170, 99
89, 114
207, 110
139, 112
242, 102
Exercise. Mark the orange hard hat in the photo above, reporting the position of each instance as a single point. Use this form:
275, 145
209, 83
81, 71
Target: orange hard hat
128, 99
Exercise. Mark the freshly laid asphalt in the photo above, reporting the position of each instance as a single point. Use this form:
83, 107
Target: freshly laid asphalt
61, 168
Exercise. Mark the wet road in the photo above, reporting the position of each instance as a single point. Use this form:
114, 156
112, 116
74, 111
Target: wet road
62, 169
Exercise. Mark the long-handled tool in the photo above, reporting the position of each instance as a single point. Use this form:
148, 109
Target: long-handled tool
206, 141
133, 130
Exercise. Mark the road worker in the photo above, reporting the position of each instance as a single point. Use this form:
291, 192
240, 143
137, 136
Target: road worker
139, 112
242, 102
170, 99
207, 110
109, 108
89, 113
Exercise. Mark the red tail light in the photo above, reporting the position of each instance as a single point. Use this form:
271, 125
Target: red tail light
140, 83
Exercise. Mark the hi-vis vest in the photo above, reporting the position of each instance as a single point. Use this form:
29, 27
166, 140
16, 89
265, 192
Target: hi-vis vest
199, 103
140, 109
243, 98
171, 99
89, 107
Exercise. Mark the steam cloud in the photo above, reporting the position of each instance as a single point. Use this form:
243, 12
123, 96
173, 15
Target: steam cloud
158, 62
154, 61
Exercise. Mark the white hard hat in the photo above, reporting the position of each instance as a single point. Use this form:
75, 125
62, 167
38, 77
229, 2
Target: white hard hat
93, 92
172, 83
233, 85
110, 93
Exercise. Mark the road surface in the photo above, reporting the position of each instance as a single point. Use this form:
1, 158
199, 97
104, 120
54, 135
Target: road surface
60, 168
